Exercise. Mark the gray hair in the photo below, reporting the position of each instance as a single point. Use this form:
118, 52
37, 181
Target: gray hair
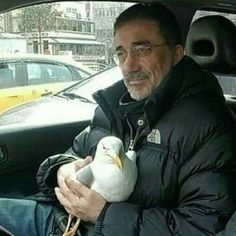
157, 12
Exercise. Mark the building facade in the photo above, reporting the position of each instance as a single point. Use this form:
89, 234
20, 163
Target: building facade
71, 33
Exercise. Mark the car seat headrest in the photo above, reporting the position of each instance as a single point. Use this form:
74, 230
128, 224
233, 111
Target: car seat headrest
211, 42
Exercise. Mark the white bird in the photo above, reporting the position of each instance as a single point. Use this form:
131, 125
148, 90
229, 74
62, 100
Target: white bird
112, 174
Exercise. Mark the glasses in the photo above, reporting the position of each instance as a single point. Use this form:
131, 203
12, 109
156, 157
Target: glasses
138, 51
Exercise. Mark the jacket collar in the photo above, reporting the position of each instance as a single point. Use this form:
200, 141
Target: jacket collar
185, 79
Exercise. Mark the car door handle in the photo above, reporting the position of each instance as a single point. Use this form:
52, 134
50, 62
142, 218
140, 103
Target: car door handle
13, 96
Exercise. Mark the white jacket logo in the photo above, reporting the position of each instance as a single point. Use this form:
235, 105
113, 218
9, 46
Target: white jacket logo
154, 136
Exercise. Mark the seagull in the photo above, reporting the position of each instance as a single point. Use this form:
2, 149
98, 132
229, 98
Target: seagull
112, 174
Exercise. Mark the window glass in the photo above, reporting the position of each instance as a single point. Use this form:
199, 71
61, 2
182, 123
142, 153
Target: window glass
49, 39
228, 84
58, 73
39, 73
99, 81
7, 75
83, 74
34, 73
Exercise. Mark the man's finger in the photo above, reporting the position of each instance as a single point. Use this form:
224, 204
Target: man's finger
61, 181
81, 163
67, 191
62, 199
77, 188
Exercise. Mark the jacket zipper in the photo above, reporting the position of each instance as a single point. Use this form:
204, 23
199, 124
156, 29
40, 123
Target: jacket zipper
133, 139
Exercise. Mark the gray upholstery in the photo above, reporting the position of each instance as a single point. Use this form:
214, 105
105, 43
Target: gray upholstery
211, 42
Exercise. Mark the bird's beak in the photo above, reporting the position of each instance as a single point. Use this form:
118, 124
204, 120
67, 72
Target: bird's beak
117, 161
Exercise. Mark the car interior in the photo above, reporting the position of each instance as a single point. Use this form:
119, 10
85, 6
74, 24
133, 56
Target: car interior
210, 42
23, 150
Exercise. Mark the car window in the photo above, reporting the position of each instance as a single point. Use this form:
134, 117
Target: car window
39, 73
227, 82
75, 44
83, 74
7, 75
96, 82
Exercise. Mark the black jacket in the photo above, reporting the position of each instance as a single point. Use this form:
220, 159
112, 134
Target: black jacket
186, 155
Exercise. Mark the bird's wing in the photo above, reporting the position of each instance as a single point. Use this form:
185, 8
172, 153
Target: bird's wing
85, 176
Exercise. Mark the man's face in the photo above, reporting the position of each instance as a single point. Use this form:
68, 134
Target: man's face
143, 68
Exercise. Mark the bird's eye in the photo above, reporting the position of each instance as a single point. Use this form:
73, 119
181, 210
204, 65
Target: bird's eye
104, 147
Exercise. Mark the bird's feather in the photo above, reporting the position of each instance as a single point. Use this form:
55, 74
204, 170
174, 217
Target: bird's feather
85, 176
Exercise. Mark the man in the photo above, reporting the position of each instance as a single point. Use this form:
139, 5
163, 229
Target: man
173, 114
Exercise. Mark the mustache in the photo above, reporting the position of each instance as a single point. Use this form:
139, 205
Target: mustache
133, 75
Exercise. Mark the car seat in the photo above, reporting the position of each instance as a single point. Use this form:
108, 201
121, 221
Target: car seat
211, 42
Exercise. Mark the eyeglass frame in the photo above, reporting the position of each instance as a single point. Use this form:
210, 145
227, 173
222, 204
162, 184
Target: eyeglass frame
133, 54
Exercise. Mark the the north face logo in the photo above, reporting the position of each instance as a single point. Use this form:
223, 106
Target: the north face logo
154, 136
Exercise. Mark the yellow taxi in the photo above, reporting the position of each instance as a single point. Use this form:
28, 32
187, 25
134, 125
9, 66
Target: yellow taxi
26, 77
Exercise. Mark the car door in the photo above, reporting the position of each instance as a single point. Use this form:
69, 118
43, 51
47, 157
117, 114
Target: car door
13, 77
47, 77
26, 79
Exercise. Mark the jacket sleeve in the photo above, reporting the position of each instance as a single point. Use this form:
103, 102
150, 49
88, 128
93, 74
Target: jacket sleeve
47, 172
84, 144
230, 229
204, 202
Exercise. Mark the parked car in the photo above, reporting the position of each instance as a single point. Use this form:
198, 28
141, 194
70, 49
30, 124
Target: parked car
25, 77
67, 106
31, 132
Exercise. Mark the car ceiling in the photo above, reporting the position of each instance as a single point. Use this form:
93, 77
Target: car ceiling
228, 4
183, 9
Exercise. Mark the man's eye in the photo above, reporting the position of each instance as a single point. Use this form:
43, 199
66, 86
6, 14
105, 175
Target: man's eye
120, 53
141, 49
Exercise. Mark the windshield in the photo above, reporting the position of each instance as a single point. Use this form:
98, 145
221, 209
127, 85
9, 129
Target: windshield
99, 81
47, 48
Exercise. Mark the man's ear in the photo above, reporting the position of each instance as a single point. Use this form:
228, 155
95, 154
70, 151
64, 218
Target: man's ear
179, 53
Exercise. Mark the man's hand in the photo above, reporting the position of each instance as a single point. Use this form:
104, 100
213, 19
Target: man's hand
80, 201
77, 199
68, 170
